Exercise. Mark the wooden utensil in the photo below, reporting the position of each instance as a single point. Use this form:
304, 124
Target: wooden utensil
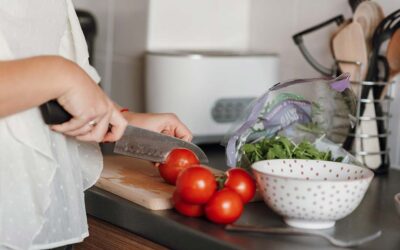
349, 46
393, 59
368, 14
340, 27
393, 54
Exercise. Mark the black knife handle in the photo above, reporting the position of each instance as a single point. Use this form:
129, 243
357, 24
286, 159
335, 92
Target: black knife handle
53, 113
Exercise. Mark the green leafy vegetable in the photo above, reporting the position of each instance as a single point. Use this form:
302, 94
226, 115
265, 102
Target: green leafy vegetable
280, 147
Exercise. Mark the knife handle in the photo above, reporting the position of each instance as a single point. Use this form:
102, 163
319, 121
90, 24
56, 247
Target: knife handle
54, 113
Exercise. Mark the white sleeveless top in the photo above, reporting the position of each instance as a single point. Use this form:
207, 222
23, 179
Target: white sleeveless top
42, 173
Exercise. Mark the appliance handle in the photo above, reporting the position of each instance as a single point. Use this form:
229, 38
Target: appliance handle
298, 40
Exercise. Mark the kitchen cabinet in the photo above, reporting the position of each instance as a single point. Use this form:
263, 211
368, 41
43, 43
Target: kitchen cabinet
169, 229
103, 235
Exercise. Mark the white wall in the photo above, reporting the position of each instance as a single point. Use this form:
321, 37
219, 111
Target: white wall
273, 23
199, 24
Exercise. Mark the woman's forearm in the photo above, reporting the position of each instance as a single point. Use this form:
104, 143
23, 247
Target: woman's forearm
28, 83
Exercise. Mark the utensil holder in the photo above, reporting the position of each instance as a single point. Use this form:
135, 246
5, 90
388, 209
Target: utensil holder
375, 98
363, 151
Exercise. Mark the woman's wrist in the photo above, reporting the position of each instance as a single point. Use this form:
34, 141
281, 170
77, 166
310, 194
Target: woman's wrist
70, 76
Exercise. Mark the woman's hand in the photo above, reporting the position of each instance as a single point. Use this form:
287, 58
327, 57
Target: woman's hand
94, 116
163, 123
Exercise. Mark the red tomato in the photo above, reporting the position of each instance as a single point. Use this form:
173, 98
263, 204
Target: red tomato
241, 182
177, 160
191, 210
224, 207
196, 184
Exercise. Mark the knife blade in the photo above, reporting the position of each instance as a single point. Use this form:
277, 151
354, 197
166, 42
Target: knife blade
135, 142
152, 146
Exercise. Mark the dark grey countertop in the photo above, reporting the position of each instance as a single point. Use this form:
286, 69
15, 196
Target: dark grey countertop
168, 228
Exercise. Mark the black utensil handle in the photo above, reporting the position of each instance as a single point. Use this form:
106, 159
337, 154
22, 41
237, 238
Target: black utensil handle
377, 93
354, 4
53, 113
298, 40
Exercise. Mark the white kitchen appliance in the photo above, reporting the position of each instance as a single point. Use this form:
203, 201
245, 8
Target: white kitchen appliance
207, 90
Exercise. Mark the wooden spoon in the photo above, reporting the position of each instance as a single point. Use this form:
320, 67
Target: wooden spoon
349, 45
340, 27
393, 54
368, 14
393, 58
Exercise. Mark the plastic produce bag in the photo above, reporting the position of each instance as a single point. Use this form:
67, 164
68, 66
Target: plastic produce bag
319, 111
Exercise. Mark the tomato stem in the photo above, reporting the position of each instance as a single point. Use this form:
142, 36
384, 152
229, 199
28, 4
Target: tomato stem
220, 179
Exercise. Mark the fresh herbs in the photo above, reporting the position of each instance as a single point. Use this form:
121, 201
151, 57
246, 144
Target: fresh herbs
280, 147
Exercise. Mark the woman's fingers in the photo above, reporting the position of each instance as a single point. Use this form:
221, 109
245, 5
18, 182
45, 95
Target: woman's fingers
169, 132
71, 125
98, 131
174, 127
181, 131
82, 130
118, 126
110, 127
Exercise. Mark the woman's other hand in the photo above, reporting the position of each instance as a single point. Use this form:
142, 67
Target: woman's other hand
165, 123
94, 116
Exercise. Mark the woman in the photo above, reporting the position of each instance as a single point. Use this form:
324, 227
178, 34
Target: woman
44, 170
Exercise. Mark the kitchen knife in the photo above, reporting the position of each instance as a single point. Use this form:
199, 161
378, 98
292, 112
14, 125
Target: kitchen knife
152, 146
135, 142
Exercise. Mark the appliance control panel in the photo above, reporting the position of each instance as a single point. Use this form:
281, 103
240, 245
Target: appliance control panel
228, 110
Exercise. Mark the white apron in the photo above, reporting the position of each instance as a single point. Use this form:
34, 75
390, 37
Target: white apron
42, 173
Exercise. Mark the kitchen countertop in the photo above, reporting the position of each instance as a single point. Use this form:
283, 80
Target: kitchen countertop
168, 228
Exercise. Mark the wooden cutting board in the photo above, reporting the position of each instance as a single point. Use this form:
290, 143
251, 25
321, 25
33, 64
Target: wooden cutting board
137, 181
